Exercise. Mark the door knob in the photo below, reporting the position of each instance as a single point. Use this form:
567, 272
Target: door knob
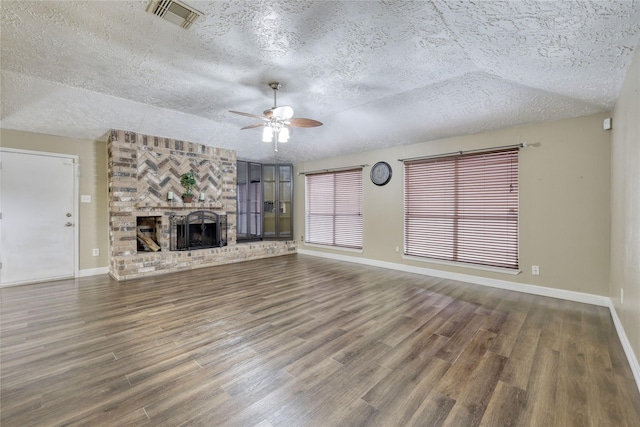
68, 214
69, 224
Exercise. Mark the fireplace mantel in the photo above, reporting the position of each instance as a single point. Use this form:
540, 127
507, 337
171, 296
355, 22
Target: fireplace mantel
180, 206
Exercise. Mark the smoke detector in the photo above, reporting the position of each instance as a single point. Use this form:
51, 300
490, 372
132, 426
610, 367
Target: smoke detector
174, 11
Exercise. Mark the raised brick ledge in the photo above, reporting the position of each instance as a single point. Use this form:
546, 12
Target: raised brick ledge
194, 206
144, 264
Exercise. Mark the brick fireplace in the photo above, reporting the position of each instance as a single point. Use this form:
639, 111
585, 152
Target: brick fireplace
142, 171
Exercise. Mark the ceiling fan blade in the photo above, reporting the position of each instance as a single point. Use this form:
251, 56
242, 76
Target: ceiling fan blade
247, 114
284, 112
257, 125
304, 123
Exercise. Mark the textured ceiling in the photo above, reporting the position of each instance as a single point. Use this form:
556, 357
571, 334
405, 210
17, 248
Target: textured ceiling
377, 73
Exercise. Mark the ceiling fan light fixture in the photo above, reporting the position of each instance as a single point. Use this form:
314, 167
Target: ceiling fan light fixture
283, 136
267, 134
285, 112
276, 130
277, 121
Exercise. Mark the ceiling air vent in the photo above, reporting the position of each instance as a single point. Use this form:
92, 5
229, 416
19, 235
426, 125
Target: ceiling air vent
174, 11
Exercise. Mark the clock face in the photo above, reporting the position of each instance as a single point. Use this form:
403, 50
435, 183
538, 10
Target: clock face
381, 173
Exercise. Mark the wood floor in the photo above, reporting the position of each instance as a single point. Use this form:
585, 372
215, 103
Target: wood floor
303, 341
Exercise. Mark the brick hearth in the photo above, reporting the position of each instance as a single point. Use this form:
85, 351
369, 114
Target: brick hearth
142, 171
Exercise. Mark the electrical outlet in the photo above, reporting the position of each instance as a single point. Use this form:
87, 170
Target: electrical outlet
621, 296
96, 252
85, 198
535, 270
397, 248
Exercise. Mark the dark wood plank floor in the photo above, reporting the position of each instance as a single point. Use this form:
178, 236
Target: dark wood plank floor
303, 341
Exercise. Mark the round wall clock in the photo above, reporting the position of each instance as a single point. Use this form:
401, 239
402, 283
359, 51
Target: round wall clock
381, 173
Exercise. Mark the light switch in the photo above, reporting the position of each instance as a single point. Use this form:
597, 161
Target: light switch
85, 198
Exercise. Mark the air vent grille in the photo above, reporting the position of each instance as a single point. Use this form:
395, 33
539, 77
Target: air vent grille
174, 11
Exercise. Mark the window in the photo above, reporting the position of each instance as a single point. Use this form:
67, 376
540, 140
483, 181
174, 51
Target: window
463, 208
333, 208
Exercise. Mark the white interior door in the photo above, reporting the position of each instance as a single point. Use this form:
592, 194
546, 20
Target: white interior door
38, 225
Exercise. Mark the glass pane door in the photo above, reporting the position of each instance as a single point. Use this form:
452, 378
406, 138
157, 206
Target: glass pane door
270, 199
243, 197
284, 201
255, 200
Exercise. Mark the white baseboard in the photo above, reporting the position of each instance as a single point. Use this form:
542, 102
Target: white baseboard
81, 273
503, 284
93, 271
626, 345
485, 281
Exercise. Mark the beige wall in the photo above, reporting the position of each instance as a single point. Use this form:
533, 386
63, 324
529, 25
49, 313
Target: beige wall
564, 202
93, 229
625, 206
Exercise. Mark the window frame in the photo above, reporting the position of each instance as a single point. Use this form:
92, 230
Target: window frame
334, 218
468, 215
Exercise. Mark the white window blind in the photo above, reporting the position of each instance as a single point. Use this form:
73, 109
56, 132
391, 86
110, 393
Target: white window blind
333, 208
463, 208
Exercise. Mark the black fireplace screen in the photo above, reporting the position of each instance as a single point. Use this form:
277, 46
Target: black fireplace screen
197, 230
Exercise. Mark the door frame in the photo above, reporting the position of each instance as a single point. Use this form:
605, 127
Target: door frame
76, 208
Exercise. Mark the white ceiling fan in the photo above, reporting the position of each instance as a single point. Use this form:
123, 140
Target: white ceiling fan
278, 121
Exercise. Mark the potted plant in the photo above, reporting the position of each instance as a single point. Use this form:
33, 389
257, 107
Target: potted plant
188, 181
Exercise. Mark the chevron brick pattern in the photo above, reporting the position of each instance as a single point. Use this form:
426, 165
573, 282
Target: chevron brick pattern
160, 173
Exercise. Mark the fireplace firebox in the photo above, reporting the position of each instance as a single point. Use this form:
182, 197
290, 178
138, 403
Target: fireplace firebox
197, 230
